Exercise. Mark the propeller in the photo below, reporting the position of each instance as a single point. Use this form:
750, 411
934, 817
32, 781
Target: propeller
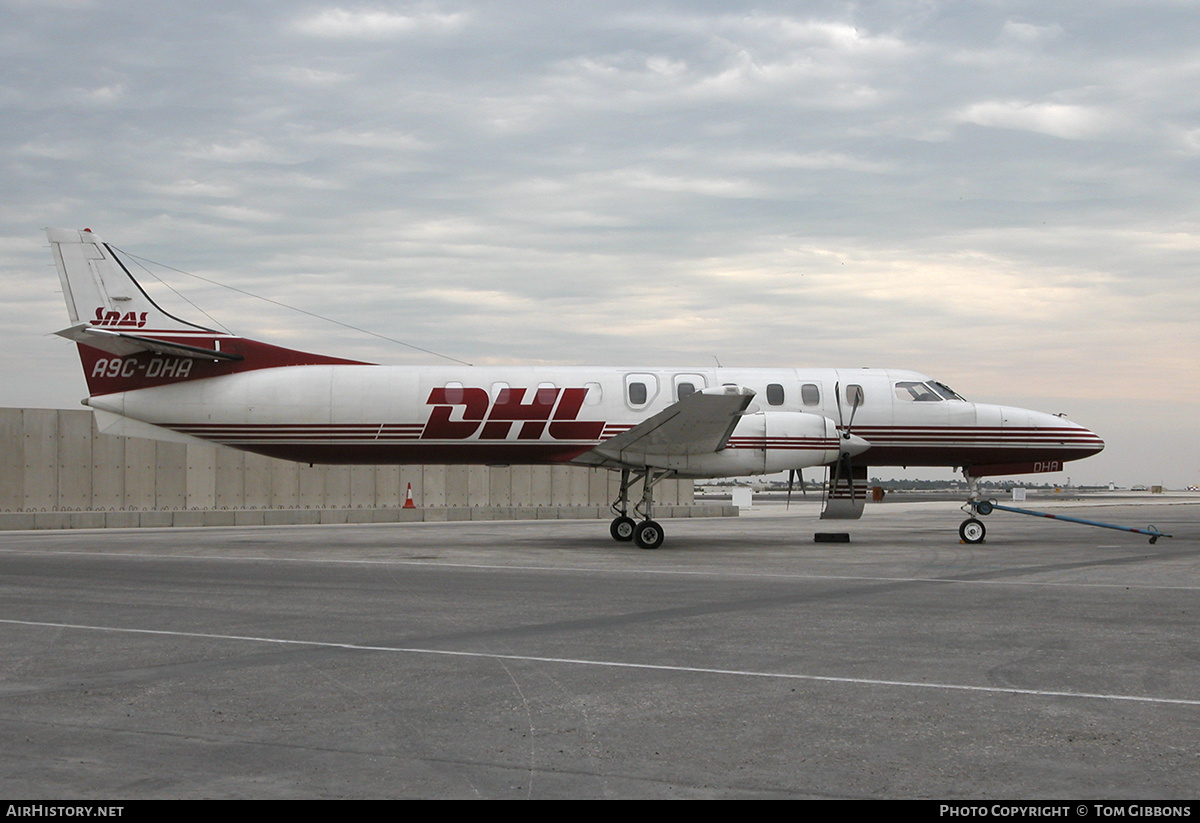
844, 433
848, 446
792, 475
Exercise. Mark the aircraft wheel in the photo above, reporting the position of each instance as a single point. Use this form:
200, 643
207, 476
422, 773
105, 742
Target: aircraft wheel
648, 535
972, 531
983, 507
622, 529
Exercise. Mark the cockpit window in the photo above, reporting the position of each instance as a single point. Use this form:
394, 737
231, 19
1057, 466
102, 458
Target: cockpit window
913, 390
945, 391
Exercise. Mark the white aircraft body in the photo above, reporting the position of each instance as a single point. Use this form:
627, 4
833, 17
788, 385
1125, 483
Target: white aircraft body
150, 374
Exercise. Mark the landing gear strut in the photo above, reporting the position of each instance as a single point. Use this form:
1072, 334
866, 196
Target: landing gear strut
972, 529
647, 534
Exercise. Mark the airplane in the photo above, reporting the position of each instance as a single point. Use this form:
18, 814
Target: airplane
151, 374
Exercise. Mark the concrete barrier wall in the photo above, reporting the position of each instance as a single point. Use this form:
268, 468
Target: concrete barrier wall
191, 518
54, 460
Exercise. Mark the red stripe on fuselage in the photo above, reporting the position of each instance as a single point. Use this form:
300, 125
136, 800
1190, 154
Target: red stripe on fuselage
365, 443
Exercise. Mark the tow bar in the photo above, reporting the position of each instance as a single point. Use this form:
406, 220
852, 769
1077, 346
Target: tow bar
972, 530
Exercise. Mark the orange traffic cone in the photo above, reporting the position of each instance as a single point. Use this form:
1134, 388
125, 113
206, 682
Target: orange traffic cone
408, 501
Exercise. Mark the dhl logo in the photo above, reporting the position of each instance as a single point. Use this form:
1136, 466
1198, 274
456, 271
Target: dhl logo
548, 409
115, 318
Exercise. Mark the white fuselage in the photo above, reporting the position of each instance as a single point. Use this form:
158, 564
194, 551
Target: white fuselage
521, 415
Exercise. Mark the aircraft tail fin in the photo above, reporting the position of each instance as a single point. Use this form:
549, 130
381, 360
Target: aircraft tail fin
100, 291
126, 341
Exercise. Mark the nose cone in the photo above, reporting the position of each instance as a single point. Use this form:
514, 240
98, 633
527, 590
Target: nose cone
1029, 442
1073, 438
853, 445
1075, 435
1094, 444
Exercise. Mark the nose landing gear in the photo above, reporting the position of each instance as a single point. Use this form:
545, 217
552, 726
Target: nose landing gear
972, 530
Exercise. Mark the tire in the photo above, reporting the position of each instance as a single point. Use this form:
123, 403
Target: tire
972, 531
648, 535
622, 529
983, 507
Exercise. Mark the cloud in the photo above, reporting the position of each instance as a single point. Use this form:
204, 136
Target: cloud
1070, 122
993, 199
343, 23
1028, 33
312, 77
242, 150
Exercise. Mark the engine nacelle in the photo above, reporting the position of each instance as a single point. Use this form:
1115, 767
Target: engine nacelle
764, 443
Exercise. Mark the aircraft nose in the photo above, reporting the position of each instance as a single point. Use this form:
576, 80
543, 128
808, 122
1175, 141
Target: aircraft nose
1096, 444
1082, 440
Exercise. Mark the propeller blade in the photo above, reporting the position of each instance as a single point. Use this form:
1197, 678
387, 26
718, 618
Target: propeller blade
855, 402
842, 499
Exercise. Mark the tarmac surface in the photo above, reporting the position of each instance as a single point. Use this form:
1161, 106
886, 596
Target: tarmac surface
540, 659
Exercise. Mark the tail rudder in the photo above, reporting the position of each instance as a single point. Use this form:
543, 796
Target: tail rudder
101, 292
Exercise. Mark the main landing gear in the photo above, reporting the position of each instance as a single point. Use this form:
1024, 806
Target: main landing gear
647, 534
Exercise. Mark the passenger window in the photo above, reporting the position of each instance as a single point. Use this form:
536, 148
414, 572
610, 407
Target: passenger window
810, 393
688, 384
454, 393
775, 394
854, 395
546, 394
640, 390
594, 394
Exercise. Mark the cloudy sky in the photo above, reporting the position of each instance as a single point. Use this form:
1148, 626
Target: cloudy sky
1000, 194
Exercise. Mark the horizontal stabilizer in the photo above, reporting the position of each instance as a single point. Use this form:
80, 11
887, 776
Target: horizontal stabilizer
123, 344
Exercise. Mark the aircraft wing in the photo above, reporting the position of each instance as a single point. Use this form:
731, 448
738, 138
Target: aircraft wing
700, 423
